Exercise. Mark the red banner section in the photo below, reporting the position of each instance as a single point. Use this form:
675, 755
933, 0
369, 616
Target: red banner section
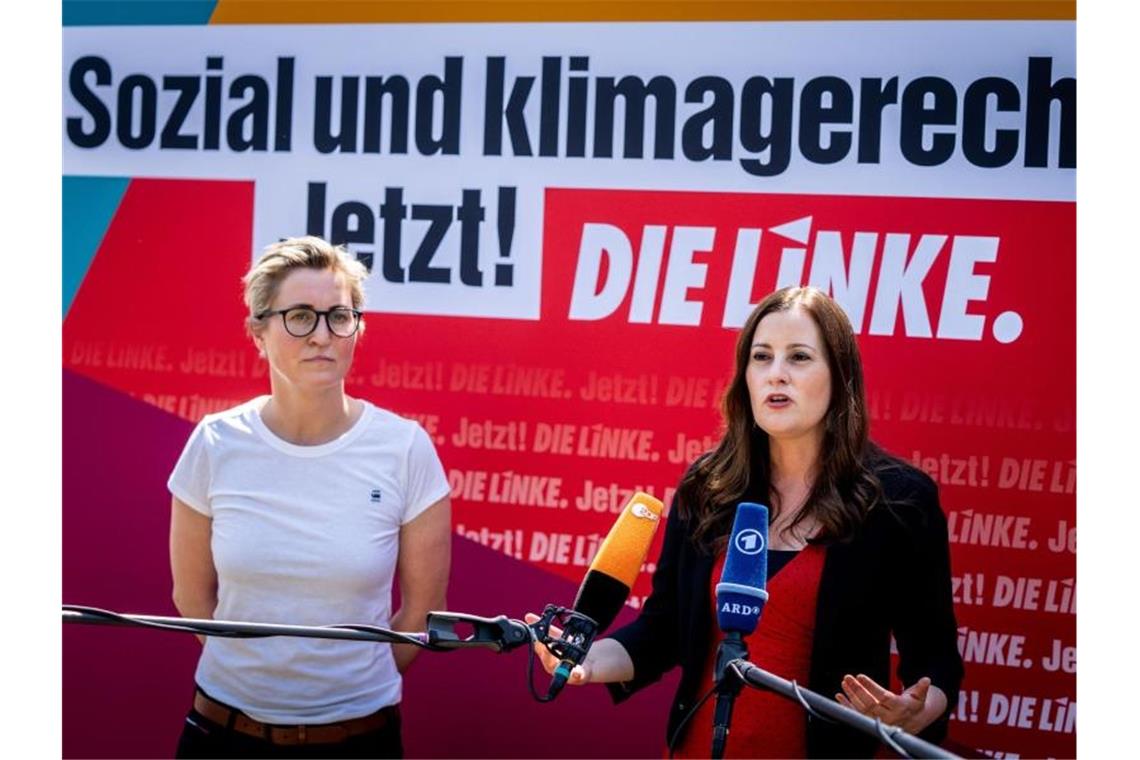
966, 316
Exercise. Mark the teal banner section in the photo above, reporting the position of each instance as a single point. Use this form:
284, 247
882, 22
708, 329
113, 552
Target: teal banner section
89, 204
137, 12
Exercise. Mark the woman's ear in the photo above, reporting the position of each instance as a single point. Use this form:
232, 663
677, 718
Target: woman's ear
256, 337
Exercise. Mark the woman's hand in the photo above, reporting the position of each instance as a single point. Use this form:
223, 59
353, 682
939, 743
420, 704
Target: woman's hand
578, 676
195, 590
913, 710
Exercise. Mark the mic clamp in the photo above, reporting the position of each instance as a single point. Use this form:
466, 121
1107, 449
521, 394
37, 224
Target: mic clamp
578, 632
732, 647
500, 633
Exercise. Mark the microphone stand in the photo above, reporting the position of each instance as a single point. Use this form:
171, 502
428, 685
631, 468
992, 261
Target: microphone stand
896, 738
244, 630
728, 684
500, 634
445, 631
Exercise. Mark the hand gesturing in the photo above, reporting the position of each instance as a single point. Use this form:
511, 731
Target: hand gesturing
907, 710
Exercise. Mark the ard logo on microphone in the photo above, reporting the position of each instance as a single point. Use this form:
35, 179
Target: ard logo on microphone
750, 541
735, 608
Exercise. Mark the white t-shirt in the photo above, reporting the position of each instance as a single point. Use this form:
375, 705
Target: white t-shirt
305, 535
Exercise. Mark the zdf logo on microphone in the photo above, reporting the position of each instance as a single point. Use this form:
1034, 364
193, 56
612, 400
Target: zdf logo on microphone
642, 511
750, 541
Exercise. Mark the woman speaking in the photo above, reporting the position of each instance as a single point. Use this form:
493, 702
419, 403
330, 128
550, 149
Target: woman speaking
858, 552
298, 507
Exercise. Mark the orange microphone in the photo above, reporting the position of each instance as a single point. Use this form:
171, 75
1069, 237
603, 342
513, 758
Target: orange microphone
619, 559
607, 583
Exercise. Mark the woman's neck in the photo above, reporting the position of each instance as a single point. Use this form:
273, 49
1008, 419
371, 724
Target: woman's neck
795, 466
795, 462
310, 419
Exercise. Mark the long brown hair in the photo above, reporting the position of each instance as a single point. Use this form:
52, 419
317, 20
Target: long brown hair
846, 487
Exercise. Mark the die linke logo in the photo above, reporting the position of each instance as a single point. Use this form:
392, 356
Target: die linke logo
613, 279
750, 541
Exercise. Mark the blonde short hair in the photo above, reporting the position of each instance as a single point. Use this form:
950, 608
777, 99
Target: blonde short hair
281, 258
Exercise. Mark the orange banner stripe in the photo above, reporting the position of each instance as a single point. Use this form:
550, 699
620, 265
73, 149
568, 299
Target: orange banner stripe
437, 11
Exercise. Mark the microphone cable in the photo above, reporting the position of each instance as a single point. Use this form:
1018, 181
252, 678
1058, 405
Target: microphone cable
539, 632
685, 721
530, 669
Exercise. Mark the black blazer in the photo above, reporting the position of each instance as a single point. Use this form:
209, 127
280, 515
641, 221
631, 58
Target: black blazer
893, 576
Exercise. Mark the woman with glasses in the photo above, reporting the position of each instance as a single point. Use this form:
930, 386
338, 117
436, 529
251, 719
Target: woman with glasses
298, 507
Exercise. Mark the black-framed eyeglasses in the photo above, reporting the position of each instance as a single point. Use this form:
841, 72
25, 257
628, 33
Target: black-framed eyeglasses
301, 321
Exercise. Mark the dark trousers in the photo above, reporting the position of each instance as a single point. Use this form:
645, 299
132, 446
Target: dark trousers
204, 738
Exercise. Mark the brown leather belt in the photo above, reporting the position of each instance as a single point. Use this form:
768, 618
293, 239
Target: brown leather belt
323, 733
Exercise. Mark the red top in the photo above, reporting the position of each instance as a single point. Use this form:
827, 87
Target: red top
763, 723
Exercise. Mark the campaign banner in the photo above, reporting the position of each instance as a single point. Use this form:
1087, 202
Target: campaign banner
566, 225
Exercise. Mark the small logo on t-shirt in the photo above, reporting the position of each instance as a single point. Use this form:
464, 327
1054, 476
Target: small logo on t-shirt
375, 496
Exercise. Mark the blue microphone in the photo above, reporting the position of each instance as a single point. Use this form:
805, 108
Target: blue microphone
741, 593
740, 597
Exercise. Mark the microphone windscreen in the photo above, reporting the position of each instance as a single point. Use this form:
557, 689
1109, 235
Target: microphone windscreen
619, 560
623, 551
741, 593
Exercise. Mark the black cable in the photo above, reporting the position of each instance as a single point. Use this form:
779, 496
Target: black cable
530, 669
684, 721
